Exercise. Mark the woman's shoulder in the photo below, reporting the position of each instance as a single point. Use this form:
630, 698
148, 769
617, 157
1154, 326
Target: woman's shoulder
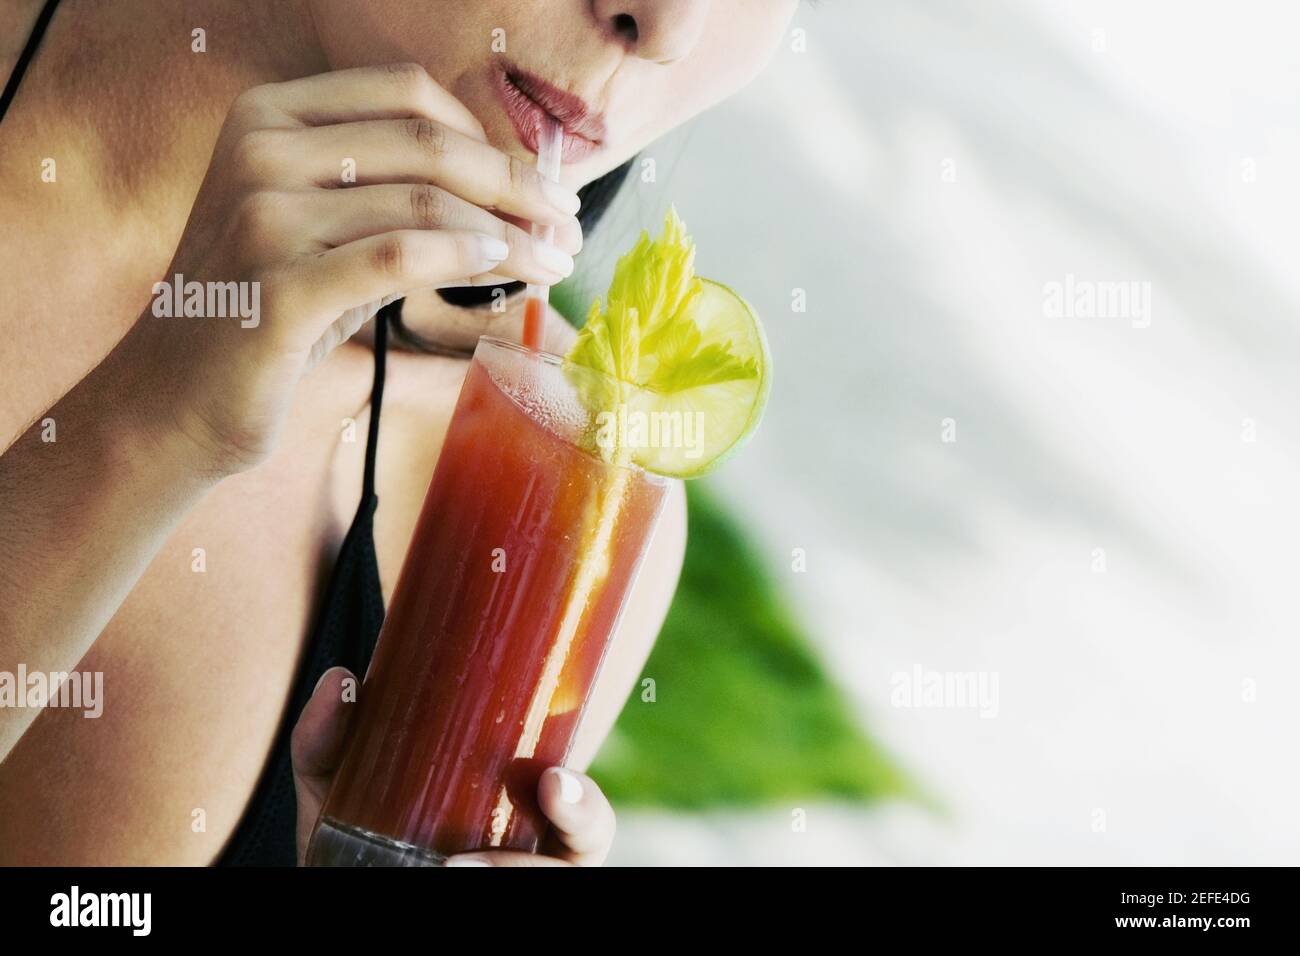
17, 19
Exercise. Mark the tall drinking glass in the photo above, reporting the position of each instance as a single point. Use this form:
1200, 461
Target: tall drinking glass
525, 549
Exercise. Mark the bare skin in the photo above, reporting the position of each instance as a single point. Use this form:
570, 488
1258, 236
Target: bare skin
155, 454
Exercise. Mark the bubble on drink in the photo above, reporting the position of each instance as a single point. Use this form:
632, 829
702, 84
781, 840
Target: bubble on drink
541, 389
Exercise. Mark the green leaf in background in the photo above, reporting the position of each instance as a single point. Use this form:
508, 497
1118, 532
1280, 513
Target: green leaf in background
744, 714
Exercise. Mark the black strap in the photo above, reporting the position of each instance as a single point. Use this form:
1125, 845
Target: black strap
25, 58
377, 394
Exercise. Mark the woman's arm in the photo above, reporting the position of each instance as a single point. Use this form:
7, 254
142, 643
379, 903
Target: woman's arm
185, 400
88, 494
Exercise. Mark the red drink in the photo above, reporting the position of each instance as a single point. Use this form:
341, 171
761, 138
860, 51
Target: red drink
511, 588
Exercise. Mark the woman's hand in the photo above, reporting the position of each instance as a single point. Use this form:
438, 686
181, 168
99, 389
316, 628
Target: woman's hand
582, 821
331, 196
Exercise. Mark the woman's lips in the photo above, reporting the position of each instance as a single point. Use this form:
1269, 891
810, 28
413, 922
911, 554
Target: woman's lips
529, 99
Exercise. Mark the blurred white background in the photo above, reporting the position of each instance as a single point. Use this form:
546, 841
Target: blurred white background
923, 171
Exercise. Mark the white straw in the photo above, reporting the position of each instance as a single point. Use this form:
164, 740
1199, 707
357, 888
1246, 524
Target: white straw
549, 146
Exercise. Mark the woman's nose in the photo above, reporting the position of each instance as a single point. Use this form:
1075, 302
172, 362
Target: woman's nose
662, 31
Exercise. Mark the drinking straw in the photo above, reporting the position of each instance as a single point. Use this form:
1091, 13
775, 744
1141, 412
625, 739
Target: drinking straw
550, 142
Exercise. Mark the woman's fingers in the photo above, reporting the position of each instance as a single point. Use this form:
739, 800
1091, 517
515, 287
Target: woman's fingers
316, 747
389, 91
582, 820
337, 217
582, 826
568, 235
330, 283
416, 150
504, 858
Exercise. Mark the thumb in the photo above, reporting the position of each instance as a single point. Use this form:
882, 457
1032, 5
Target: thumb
317, 744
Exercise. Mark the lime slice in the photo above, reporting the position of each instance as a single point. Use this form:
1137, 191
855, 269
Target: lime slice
688, 418
683, 362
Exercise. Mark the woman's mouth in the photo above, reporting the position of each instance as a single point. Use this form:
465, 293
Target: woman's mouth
529, 99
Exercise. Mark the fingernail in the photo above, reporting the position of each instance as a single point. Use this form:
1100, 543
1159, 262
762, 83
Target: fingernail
570, 786
494, 249
467, 861
320, 680
552, 258
562, 198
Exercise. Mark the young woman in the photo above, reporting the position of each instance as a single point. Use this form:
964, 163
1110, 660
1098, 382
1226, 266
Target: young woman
178, 496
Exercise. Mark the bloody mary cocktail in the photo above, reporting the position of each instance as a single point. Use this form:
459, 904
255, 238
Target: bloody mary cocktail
525, 549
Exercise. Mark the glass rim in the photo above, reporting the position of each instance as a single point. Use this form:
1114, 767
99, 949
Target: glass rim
497, 341
556, 361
